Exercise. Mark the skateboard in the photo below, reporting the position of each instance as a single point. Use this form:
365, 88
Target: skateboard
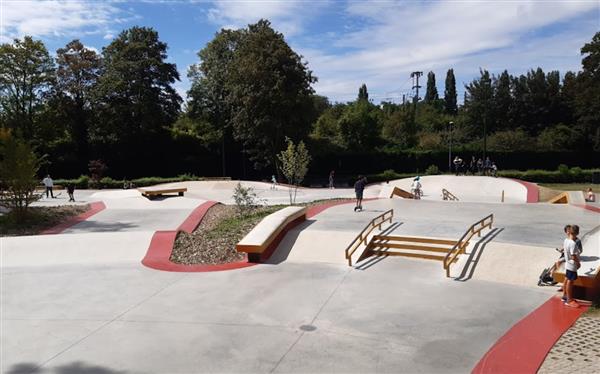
358, 208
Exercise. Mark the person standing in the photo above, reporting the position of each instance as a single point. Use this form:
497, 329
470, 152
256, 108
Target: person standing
572, 263
331, 175
273, 182
359, 188
48, 183
71, 191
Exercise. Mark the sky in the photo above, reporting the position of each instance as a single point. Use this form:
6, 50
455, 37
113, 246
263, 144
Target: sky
346, 43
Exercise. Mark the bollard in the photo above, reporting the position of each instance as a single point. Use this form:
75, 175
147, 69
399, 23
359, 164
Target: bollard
502, 195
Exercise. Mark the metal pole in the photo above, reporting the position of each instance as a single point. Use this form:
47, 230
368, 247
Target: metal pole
450, 147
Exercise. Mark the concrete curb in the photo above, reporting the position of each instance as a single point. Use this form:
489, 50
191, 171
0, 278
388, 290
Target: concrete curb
524, 347
533, 192
95, 207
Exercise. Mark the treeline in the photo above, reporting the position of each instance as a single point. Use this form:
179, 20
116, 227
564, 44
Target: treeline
250, 91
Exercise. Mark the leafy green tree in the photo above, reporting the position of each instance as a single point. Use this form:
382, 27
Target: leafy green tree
400, 127
294, 166
26, 73
587, 103
327, 126
450, 97
135, 100
18, 169
510, 141
77, 73
363, 94
502, 102
431, 95
478, 106
270, 93
208, 96
558, 138
360, 126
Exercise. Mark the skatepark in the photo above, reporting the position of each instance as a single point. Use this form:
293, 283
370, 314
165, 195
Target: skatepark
68, 297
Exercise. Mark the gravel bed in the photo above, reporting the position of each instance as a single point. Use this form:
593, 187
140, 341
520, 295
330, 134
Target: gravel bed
38, 219
214, 240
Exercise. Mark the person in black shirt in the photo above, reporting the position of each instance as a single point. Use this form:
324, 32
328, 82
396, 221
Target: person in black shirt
359, 187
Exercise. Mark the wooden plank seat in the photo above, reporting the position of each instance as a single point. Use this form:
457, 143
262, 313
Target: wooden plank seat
153, 192
262, 240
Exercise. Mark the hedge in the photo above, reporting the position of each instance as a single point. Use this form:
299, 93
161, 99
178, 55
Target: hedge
84, 181
563, 175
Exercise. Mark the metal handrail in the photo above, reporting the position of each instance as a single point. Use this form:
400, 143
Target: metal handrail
364, 234
447, 195
461, 243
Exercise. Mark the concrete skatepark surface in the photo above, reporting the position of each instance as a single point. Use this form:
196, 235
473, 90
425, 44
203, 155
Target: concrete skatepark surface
81, 301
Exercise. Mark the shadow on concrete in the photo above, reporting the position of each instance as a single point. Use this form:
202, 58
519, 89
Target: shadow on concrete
76, 367
95, 226
475, 255
284, 248
373, 260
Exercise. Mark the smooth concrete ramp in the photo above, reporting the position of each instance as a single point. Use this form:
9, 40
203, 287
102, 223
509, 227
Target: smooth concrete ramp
465, 188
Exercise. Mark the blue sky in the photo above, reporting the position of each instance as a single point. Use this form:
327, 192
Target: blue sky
346, 43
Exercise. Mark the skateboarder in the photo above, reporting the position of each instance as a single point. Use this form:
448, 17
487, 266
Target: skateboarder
359, 187
49, 184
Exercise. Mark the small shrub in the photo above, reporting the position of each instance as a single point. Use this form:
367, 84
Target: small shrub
432, 170
576, 173
97, 169
245, 199
389, 174
563, 169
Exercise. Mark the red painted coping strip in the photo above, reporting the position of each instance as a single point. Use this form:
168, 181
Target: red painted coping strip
194, 219
95, 207
525, 346
316, 209
533, 191
588, 207
159, 253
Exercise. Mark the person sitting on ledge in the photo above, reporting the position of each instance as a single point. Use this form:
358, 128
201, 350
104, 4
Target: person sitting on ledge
590, 197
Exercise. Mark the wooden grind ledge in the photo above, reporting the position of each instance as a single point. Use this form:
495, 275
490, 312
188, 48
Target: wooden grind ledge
262, 240
153, 192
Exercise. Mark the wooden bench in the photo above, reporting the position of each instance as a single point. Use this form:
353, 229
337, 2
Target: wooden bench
151, 193
263, 239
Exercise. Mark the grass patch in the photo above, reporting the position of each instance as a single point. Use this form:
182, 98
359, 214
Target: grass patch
237, 226
571, 186
38, 219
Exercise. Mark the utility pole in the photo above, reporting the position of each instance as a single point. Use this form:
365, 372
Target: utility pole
415, 76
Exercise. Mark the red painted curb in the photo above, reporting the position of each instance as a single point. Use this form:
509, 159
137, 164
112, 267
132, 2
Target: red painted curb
533, 191
194, 219
316, 209
161, 246
588, 207
95, 207
525, 346
159, 253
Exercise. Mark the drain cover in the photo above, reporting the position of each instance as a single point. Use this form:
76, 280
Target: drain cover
308, 328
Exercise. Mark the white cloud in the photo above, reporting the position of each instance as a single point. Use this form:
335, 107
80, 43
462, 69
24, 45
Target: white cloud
108, 36
287, 17
388, 40
56, 18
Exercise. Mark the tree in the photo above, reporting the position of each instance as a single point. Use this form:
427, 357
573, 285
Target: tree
502, 102
270, 93
400, 127
479, 104
363, 94
360, 126
587, 102
294, 165
77, 73
450, 98
26, 73
18, 169
431, 95
208, 95
136, 102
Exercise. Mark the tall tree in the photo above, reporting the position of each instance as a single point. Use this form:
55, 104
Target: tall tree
360, 126
208, 93
479, 105
77, 73
450, 97
270, 93
502, 102
363, 94
431, 95
135, 97
587, 102
26, 73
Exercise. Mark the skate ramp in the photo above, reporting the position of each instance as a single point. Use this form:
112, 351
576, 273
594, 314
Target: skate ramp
465, 188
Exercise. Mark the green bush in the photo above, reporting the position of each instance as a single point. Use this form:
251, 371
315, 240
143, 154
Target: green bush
432, 170
558, 176
84, 182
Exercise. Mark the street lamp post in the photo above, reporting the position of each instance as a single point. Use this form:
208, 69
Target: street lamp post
450, 124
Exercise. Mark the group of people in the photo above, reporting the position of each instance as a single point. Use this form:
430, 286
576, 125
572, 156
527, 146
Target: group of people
479, 166
49, 186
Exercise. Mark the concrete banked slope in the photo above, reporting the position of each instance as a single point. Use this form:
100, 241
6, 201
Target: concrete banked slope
465, 188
